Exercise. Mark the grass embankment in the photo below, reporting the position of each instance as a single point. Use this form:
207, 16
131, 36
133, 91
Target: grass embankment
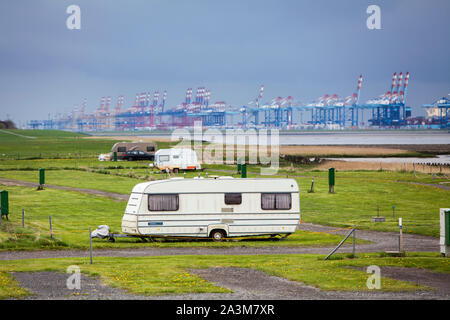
49, 144
144, 275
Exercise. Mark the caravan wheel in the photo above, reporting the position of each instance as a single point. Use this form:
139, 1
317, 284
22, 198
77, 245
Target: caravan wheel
217, 235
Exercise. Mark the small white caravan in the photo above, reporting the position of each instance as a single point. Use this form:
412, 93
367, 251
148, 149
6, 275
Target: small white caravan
218, 208
176, 159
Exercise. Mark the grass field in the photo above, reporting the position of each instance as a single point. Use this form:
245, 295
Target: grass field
74, 213
355, 201
144, 275
71, 160
32, 144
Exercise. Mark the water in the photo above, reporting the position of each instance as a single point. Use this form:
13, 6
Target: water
354, 138
369, 138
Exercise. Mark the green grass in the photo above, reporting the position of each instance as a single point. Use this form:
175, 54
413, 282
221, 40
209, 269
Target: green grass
73, 213
48, 144
10, 288
77, 163
77, 179
111, 180
357, 193
146, 276
14, 237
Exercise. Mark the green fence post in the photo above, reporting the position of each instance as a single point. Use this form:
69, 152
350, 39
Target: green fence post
115, 156
239, 166
331, 180
41, 179
244, 170
4, 203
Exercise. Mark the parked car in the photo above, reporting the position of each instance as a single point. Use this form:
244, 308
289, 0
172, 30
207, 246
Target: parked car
135, 155
149, 147
125, 148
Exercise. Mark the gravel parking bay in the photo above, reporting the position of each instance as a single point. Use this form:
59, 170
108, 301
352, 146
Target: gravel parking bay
246, 284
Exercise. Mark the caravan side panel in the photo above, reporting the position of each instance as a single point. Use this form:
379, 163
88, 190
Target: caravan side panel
197, 212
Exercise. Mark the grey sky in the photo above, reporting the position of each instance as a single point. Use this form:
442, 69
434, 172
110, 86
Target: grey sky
300, 48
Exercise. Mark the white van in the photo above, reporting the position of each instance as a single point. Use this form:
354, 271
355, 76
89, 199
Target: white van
218, 208
176, 159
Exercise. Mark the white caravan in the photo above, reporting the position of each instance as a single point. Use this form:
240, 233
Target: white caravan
176, 159
218, 208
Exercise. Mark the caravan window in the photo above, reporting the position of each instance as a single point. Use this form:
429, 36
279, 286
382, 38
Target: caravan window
233, 198
163, 202
163, 158
150, 148
122, 149
275, 201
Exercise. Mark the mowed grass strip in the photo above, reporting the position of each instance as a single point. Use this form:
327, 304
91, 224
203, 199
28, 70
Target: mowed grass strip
73, 213
170, 274
77, 179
